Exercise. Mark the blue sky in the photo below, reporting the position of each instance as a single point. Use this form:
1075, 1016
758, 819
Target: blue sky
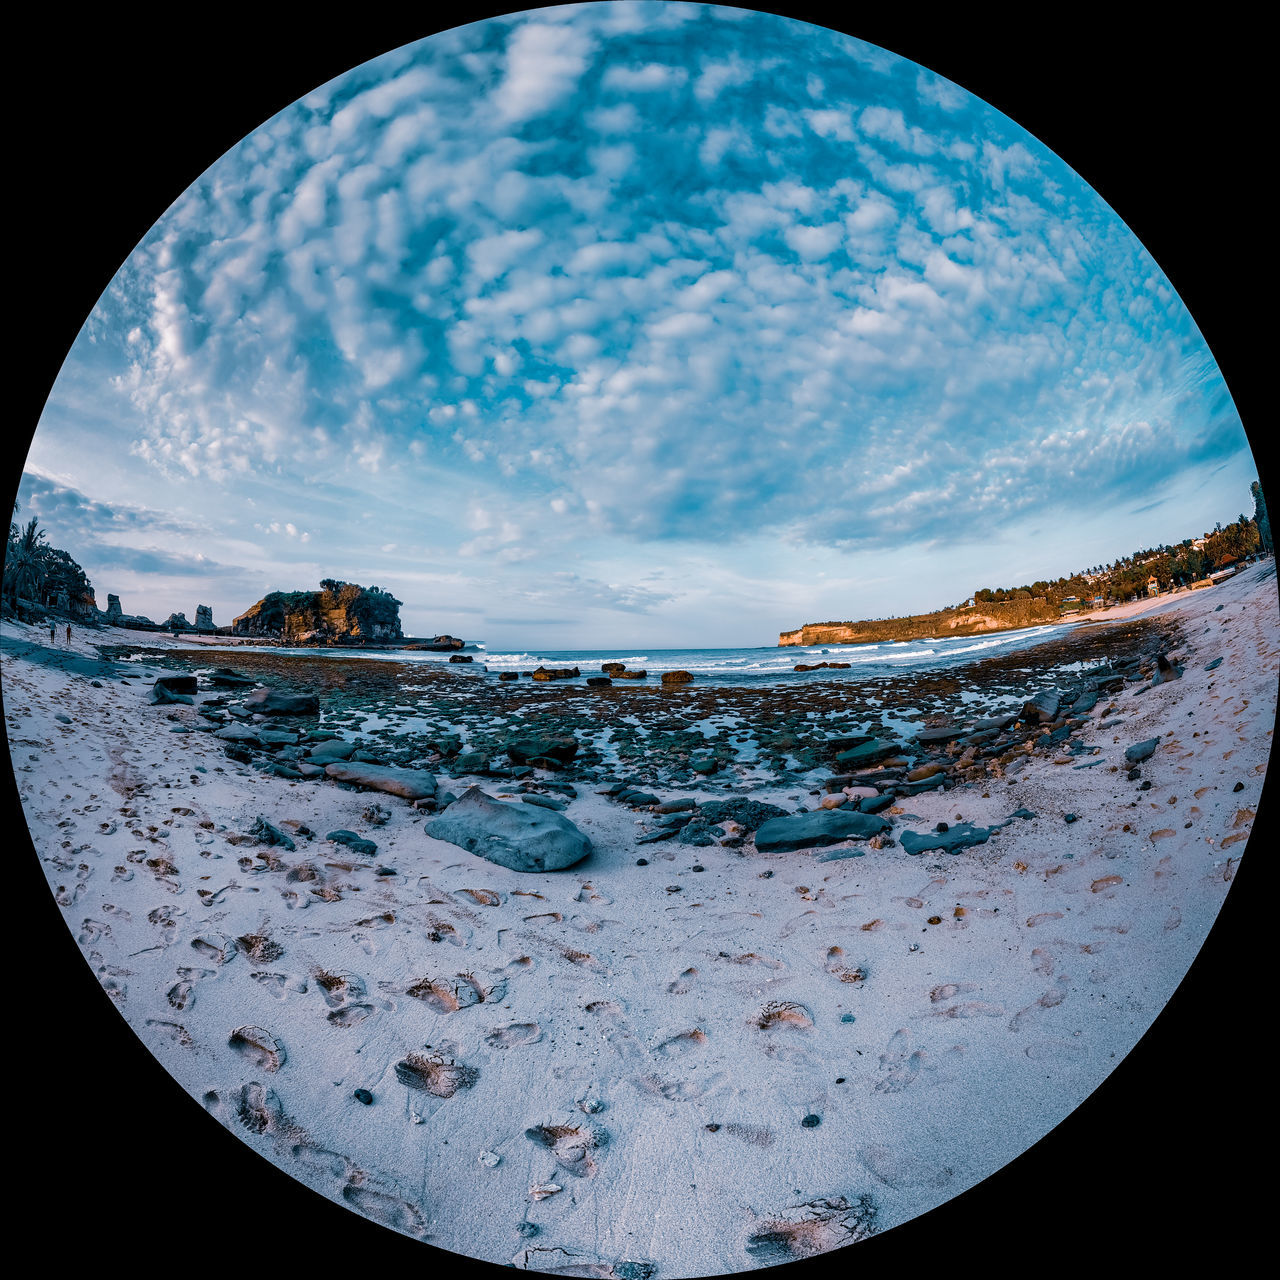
631, 324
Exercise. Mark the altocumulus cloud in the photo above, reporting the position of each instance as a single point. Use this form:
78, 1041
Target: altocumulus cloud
644, 273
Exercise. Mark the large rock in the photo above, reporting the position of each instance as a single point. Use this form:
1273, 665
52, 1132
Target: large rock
961, 836
813, 830
275, 702
676, 677
518, 836
748, 814
204, 618
177, 622
412, 784
871, 752
332, 751
225, 678
1041, 708
338, 612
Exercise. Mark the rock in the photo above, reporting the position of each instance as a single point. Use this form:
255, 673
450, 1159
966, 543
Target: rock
961, 836
642, 674
532, 748
704, 764
748, 814
363, 1095
1141, 751
274, 702
813, 830
517, 836
461, 657
1214, 665
556, 673
870, 752
265, 833
939, 735
162, 695
204, 618
545, 802
237, 733
472, 762
508, 675
177, 683
996, 722
412, 784
331, 751
600, 682
1166, 670
676, 677
612, 668
925, 771
177, 622
357, 844
339, 611
875, 804
225, 678
277, 737
1041, 708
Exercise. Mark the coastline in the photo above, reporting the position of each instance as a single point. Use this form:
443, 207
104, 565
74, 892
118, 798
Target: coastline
933, 1089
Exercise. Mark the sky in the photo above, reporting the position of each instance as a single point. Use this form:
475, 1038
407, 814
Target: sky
631, 324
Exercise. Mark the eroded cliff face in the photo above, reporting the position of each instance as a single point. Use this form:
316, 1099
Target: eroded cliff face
339, 613
946, 622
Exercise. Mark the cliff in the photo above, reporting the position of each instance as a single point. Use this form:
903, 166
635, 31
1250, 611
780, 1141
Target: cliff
946, 622
339, 613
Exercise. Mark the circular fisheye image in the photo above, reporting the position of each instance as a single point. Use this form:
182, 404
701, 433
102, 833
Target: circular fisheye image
639, 640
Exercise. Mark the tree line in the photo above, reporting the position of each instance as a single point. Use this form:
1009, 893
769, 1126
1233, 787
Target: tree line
39, 576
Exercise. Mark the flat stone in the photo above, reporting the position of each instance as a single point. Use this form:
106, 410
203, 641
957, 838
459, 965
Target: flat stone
520, 837
357, 844
274, 702
813, 830
331, 750
961, 836
412, 784
940, 735
871, 752
1141, 751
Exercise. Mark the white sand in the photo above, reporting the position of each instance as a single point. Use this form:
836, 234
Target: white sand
624, 1009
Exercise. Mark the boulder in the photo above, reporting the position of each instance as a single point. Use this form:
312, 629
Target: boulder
556, 673
508, 675
331, 751
412, 784
1041, 708
461, 657
204, 618
961, 836
813, 830
518, 836
163, 694
611, 668
939, 735
748, 814
559, 748
1141, 751
676, 677
275, 702
642, 674
870, 752
600, 682
225, 678
177, 683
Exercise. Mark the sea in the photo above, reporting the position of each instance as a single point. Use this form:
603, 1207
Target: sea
750, 666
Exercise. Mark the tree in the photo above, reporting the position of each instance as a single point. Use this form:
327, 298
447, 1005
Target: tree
1260, 519
25, 563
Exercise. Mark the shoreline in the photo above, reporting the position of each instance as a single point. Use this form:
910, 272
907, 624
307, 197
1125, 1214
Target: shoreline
890, 1000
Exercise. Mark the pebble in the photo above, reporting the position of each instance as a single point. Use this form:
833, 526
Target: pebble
697, 868
363, 1095
642, 862
846, 1017
1069, 817
1238, 787
811, 1121
490, 1159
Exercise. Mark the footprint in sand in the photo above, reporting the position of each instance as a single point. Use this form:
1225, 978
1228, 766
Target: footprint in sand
216, 947
387, 1207
755, 1135
279, 984
572, 1145
946, 990
835, 965
431, 1073
259, 1046
350, 1015
678, 1090
253, 1105
91, 931
1049, 1000
1054, 1051
902, 1064
681, 1043
971, 1009
514, 1035
897, 1170
683, 984
339, 989
448, 995
181, 995
808, 1229
784, 1016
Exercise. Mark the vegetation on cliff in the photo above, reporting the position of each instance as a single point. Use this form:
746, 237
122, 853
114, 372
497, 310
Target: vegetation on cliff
38, 576
340, 612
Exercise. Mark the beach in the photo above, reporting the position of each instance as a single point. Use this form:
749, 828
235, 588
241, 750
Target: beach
683, 1055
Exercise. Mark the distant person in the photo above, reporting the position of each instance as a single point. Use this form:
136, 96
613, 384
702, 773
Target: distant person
51, 633
68, 633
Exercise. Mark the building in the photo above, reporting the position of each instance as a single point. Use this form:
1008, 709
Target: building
1153, 586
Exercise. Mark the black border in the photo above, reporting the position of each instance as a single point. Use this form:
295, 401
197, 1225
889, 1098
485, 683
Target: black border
112, 117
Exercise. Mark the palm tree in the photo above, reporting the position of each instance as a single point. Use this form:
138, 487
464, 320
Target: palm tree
24, 563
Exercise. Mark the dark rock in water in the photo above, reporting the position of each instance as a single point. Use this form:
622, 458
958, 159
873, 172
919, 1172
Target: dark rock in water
612, 668
996, 722
1141, 751
961, 836
874, 804
1166, 670
162, 695
556, 673
357, 844
870, 752
265, 833
331, 750
535, 748
748, 814
704, 764
599, 682
273, 702
177, 683
472, 762
813, 830
412, 784
642, 674
225, 678
939, 735
1041, 708
1085, 702
516, 836
676, 677
508, 675
461, 657
1214, 665
845, 742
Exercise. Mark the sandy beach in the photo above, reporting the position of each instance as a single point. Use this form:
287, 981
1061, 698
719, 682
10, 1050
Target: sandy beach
679, 1057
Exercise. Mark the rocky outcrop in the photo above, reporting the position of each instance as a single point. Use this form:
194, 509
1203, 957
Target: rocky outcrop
116, 617
339, 613
204, 618
520, 837
177, 622
1009, 616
